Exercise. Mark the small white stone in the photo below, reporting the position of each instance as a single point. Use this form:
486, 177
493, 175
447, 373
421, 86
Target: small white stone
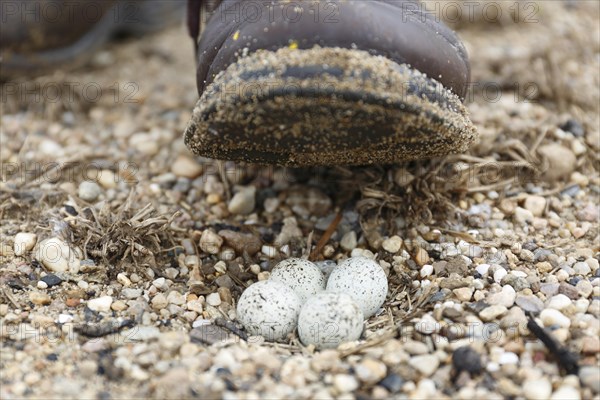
269, 251
243, 202
582, 268
537, 389
426, 364
210, 242
24, 242
550, 317
492, 312
499, 274
506, 297
349, 241
559, 302
483, 269
42, 285
463, 294
427, 325
107, 179
89, 191
426, 270
123, 279
345, 383
508, 358
213, 299
160, 283
57, 256
100, 304
535, 204
392, 244
186, 167
523, 216
566, 392
64, 318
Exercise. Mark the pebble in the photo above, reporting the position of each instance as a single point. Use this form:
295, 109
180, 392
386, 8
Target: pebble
584, 287
100, 304
345, 383
24, 242
130, 293
464, 294
142, 333
508, 358
561, 161
535, 204
551, 317
568, 290
559, 302
370, 371
421, 256
174, 297
241, 242
51, 280
118, 306
107, 179
566, 392
393, 383
210, 242
426, 270
243, 202
506, 297
523, 216
529, 303
483, 269
499, 274
89, 191
349, 241
39, 298
591, 345
269, 251
467, 359
426, 364
492, 312
582, 268
589, 377
537, 389
392, 244
186, 167
57, 256
213, 299
159, 301
589, 213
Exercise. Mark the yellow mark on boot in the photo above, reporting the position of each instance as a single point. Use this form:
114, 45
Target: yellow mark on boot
236, 35
293, 45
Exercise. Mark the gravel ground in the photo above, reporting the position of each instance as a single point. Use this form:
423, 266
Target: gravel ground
122, 256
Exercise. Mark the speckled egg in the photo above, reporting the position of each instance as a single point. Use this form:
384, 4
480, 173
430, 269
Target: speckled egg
304, 277
329, 319
363, 279
269, 309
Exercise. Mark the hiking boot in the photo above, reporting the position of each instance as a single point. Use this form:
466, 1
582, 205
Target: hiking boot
38, 36
338, 82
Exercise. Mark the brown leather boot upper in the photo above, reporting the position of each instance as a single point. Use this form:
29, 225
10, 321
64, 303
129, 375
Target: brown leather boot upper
396, 29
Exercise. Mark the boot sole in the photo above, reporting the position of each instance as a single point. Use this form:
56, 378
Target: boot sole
326, 106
